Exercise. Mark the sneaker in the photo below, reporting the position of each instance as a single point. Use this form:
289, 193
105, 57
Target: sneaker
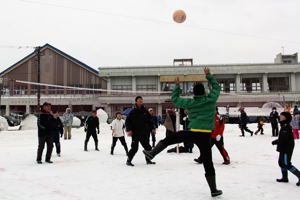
198, 160
49, 161
282, 180
39, 162
97, 149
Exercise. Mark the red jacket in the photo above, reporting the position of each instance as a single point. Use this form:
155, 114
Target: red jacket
219, 127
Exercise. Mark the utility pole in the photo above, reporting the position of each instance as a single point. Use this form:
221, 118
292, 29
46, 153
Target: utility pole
38, 55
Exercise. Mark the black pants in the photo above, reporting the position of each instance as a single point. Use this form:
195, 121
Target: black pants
220, 146
122, 140
261, 129
137, 138
42, 140
244, 128
57, 143
93, 134
202, 140
274, 129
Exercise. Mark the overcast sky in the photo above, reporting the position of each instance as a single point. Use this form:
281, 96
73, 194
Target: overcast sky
142, 32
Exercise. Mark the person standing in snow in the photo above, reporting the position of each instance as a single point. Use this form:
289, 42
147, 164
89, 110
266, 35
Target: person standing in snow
155, 122
68, 121
285, 146
92, 129
201, 116
274, 118
56, 129
44, 133
217, 139
243, 121
138, 123
118, 126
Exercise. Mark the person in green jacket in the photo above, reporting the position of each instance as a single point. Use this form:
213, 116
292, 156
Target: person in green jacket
201, 110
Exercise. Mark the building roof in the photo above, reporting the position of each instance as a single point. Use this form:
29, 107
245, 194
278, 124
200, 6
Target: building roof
54, 49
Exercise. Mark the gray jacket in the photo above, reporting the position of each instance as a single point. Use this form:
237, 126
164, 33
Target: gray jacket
67, 119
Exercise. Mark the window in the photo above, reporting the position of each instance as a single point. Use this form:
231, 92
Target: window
251, 84
278, 84
146, 87
227, 85
169, 86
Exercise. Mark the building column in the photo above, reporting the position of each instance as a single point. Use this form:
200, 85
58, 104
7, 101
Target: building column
27, 109
158, 84
238, 83
265, 86
159, 109
109, 85
133, 83
293, 82
7, 110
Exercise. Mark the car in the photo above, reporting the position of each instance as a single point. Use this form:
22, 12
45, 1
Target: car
11, 120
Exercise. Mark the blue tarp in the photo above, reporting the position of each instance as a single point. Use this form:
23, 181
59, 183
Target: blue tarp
127, 111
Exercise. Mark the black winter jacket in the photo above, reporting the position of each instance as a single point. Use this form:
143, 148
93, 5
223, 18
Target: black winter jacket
44, 124
139, 121
274, 117
91, 124
56, 126
243, 119
285, 142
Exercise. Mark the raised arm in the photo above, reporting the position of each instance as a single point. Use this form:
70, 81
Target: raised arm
216, 88
179, 102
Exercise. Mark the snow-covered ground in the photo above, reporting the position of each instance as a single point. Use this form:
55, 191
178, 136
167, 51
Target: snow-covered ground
79, 175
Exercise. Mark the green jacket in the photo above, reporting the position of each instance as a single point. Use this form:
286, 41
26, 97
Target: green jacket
201, 108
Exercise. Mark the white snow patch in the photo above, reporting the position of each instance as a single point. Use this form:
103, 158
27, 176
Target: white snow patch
3, 124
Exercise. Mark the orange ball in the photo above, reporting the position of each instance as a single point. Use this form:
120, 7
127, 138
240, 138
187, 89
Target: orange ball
179, 16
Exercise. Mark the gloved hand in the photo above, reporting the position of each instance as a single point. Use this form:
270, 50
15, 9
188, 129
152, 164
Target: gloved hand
61, 135
85, 130
218, 138
98, 131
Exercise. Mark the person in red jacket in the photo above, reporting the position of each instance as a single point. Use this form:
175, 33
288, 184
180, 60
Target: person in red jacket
217, 139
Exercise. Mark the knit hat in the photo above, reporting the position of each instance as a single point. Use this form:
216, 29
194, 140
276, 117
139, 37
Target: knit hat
288, 116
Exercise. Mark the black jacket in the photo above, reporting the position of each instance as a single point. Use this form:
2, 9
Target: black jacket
274, 117
139, 121
91, 124
155, 122
44, 124
56, 126
243, 119
285, 142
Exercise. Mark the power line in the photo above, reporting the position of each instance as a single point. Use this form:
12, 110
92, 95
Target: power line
161, 22
15, 47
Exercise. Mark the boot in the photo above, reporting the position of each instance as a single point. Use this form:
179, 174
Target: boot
284, 178
128, 163
211, 180
85, 146
156, 150
296, 172
226, 162
96, 146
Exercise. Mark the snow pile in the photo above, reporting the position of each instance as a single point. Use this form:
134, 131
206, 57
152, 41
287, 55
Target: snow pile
102, 115
30, 123
3, 124
76, 122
